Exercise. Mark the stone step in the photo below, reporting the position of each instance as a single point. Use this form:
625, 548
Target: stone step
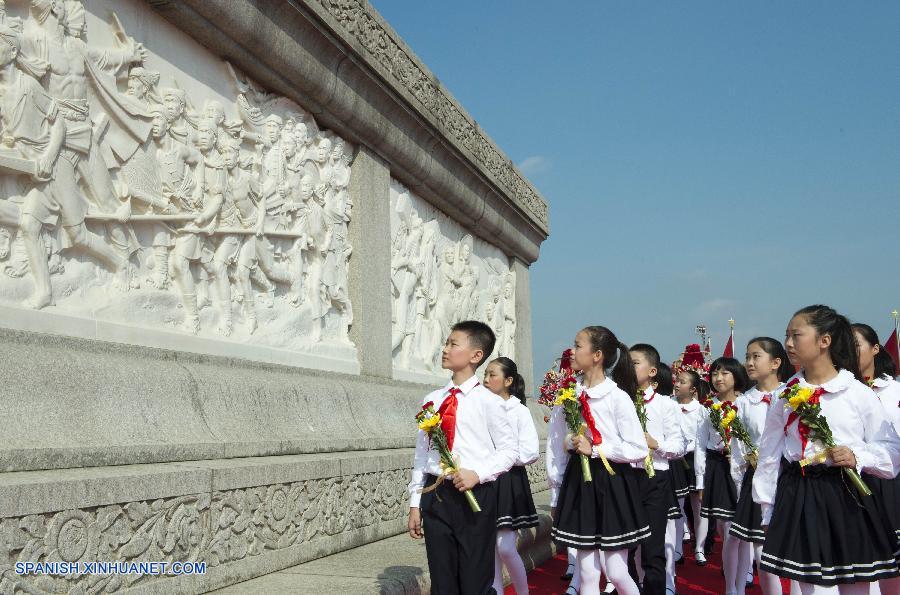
393, 566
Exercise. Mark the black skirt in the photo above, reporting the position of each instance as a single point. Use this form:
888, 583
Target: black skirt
515, 506
887, 495
674, 511
824, 533
719, 491
605, 513
747, 522
683, 475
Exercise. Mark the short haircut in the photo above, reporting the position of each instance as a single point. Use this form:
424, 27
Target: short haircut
480, 336
648, 351
729, 364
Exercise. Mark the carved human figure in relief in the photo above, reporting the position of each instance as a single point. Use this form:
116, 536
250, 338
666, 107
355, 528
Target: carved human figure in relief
509, 314
468, 279
337, 246
33, 126
192, 244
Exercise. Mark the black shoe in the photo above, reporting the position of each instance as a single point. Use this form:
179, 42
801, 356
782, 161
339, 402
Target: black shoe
680, 561
567, 575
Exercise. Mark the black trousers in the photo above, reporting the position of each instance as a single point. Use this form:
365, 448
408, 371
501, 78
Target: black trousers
656, 493
460, 544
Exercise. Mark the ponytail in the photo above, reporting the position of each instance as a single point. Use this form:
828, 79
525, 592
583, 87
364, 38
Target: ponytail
843, 350
623, 372
511, 370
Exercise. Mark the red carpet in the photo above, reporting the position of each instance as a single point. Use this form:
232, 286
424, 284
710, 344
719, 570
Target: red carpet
691, 579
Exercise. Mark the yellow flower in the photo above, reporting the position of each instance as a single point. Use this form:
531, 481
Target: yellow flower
801, 396
717, 406
726, 421
429, 423
566, 394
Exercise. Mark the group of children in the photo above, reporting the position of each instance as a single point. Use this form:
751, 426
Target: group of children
781, 494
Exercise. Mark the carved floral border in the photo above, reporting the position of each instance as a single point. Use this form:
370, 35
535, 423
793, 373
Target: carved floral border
357, 19
216, 528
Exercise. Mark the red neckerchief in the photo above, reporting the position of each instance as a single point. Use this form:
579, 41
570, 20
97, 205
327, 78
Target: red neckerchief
596, 438
447, 411
767, 398
646, 400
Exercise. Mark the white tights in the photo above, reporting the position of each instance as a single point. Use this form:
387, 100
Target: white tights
747, 552
507, 554
613, 564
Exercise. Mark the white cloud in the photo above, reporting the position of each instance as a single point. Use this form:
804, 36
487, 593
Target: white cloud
536, 164
709, 309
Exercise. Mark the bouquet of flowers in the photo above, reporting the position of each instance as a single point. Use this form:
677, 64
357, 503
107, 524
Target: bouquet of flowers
721, 416
739, 431
429, 421
641, 408
806, 410
565, 398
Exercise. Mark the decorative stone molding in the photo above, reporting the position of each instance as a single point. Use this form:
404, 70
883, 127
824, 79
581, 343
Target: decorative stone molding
360, 20
218, 528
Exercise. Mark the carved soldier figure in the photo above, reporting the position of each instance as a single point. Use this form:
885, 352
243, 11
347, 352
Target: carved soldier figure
32, 126
239, 211
207, 199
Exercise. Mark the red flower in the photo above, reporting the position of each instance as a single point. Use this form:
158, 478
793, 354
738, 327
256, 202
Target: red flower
427, 405
792, 383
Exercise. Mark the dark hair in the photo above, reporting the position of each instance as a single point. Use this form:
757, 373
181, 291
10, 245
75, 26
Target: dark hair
696, 381
884, 363
613, 350
648, 351
480, 336
729, 364
664, 384
842, 350
776, 351
511, 370
704, 390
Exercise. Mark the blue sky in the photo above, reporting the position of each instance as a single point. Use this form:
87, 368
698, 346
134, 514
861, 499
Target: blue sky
702, 160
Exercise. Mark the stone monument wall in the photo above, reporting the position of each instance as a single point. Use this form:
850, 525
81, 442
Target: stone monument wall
232, 236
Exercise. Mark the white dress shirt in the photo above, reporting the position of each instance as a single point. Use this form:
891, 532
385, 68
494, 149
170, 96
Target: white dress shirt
751, 410
692, 414
483, 440
616, 420
663, 417
888, 391
528, 445
857, 420
708, 437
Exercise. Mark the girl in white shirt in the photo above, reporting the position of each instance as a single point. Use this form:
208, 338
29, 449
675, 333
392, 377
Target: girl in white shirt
689, 390
713, 471
821, 530
601, 518
878, 371
768, 367
515, 505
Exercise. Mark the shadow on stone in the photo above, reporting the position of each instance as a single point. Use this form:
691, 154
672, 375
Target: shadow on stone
403, 580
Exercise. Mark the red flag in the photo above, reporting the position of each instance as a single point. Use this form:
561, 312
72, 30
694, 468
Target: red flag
891, 347
729, 347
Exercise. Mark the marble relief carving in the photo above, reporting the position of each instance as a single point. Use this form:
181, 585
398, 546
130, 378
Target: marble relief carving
126, 198
441, 275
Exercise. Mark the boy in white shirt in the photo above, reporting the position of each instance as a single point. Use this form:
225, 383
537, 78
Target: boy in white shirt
459, 542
